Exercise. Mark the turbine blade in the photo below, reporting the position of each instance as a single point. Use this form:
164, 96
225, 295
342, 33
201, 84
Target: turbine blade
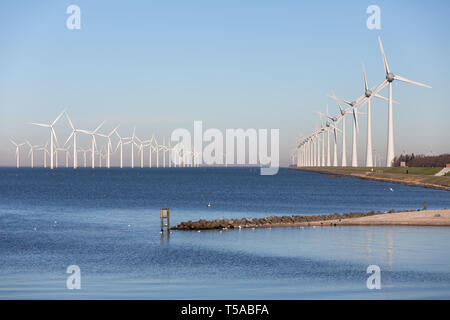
355, 118
68, 138
384, 98
359, 100
54, 135
366, 87
70, 121
114, 130
40, 124
386, 66
101, 124
410, 81
380, 87
341, 100
57, 118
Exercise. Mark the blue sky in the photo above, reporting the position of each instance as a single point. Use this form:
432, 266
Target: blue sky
160, 65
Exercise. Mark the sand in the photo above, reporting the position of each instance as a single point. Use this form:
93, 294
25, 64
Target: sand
409, 218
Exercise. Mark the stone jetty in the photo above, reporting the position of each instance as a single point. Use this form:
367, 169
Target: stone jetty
273, 221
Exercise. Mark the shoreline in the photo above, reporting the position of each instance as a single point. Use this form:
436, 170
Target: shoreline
409, 180
440, 217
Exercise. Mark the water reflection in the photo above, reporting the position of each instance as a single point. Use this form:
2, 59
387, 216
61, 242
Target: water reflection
165, 238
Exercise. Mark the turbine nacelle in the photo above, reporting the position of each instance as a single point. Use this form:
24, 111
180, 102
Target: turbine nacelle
368, 93
390, 77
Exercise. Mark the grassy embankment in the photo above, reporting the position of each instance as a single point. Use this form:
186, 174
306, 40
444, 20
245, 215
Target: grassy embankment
418, 176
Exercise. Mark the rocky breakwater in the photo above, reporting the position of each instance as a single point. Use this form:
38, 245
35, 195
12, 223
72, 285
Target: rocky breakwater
273, 221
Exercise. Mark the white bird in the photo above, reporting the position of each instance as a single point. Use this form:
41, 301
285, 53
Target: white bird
392, 190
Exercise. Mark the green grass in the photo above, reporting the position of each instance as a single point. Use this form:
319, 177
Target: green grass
400, 170
413, 170
417, 175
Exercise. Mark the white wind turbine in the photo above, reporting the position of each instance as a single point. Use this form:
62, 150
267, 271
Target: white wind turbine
93, 143
74, 134
342, 118
31, 152
109, 146
390, 77
151, 148
140, 147
369, 95
52, 135
157, 148
45, 153
61, 149
353, 105
132, 142
120, 144
18, 145
333, 125
322, 159
84, 155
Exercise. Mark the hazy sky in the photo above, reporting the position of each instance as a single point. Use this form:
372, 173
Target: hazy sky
160, 65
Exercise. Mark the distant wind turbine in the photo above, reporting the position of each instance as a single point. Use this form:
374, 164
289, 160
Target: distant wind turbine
93, 143
31, 152
17, 145
109, 146
52, 135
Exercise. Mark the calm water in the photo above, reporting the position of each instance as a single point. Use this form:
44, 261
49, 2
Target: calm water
107, 223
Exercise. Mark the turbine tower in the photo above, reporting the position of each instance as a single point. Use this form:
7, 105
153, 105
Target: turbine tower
390, 77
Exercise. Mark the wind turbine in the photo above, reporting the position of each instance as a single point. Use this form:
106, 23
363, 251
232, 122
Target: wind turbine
132, 138
31, 152
84, 155
390, 77
52, 135
354, 111
108, 154
369, 95
65, 150
327, 128
18, 145
74, 134
342, 118
332, 125
93, 144
140, 147
120, 144
45, 153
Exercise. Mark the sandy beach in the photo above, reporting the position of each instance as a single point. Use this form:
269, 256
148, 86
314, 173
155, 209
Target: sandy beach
408, 218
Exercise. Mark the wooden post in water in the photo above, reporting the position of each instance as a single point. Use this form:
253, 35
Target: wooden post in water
165, 214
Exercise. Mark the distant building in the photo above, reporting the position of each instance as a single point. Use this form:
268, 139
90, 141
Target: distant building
402, 164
